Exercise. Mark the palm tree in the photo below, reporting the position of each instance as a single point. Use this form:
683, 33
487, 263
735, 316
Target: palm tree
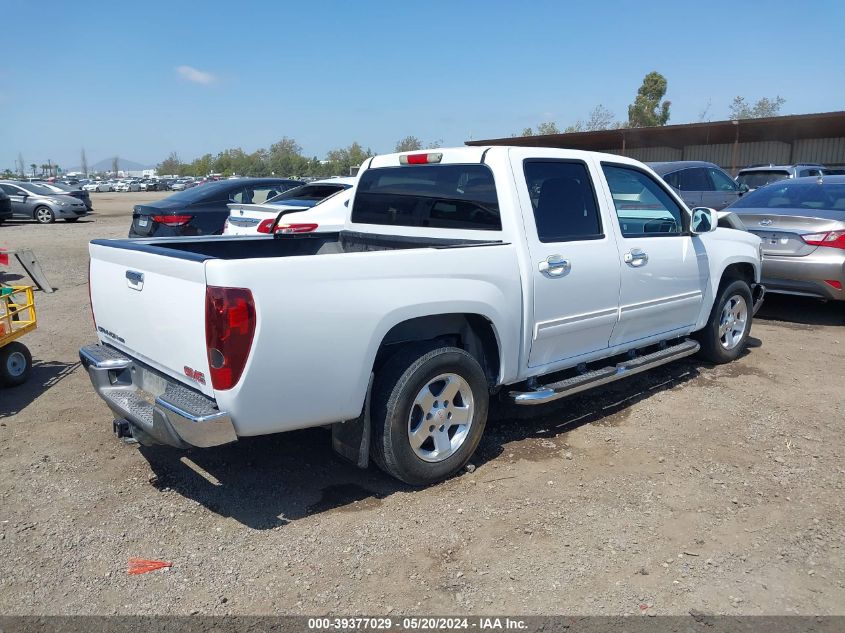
33, 166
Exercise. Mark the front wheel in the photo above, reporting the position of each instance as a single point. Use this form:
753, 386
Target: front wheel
15, 364
724, 337
429, 409
44, 215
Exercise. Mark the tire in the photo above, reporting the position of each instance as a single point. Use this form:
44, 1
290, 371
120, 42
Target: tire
44, 215
417, 375
15, 364
71, 220
722, 340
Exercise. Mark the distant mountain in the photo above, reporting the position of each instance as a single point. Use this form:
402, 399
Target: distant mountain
122, 165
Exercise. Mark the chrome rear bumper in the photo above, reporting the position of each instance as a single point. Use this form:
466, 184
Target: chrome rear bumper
159, 410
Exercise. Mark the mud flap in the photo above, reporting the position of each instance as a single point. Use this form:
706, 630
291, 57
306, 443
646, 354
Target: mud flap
351, 439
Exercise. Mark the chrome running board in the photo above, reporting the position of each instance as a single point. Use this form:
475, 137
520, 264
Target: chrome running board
546, 393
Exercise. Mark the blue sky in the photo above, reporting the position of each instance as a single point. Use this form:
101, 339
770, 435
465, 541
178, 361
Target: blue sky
141, 79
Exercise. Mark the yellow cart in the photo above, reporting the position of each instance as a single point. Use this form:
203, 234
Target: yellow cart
17, 317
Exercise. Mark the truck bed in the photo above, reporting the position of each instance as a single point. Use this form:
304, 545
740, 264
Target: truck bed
236, 247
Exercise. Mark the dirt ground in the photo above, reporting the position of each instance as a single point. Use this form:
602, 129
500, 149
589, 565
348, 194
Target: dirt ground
690, 487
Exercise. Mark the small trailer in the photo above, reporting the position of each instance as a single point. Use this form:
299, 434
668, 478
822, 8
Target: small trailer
17, 318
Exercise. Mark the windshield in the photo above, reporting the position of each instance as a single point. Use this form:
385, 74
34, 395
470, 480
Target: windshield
308, 195
795, 195
33, 188
754, 179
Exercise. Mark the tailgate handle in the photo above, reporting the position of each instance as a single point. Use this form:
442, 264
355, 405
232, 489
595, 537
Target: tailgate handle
135, 280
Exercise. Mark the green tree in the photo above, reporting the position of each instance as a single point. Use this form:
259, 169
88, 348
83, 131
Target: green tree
408, 144
765, 107
285, 157
33, 166
344, 159
83, 163
115, 165
549, 127
648, 110
170, 165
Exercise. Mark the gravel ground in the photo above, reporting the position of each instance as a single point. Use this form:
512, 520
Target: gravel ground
691, 487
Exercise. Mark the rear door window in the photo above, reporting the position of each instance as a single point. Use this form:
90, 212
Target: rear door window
563, 199
431, 196
694, 179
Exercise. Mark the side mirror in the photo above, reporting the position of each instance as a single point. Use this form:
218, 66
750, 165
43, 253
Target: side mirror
704, 220
743, 188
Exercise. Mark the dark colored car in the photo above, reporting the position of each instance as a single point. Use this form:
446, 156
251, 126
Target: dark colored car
699, 183
202, 210
70, 190
5, 206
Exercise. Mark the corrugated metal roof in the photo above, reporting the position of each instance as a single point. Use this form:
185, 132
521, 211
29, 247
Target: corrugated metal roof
785, 129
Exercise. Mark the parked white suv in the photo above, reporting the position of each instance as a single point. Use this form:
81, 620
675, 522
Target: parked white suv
461, 273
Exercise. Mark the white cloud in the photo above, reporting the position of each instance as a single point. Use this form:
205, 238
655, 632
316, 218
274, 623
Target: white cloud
193, 74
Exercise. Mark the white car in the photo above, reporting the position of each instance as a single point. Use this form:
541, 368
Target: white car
183, 183
321, 205
528, 272
100, 186
128, 185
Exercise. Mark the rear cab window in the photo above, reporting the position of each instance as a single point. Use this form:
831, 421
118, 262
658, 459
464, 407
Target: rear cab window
451, 196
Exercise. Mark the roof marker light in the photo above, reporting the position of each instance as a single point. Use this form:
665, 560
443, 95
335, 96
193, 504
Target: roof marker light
420, 159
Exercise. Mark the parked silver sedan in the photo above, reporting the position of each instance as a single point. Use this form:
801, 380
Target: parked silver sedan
31, 200
802, 224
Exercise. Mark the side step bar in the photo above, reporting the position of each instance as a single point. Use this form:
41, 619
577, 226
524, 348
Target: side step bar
546, 393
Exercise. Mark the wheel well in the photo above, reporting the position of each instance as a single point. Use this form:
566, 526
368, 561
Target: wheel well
742, 271
471, 332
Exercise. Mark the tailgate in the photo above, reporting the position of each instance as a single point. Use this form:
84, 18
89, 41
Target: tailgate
152, 307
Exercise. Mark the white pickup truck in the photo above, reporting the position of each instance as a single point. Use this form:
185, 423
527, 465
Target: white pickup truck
526, 273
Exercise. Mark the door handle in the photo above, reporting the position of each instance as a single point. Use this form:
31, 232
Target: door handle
635, 257
555, 266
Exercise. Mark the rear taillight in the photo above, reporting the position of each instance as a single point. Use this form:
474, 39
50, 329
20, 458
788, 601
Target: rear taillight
267, 225
172, 220
833, 239
229, 328
296, 228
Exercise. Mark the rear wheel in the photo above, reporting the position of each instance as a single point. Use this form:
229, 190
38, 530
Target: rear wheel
429, 412
44, 215
724, 337
15, 364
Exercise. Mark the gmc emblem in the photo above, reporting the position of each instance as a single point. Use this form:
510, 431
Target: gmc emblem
196, 376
